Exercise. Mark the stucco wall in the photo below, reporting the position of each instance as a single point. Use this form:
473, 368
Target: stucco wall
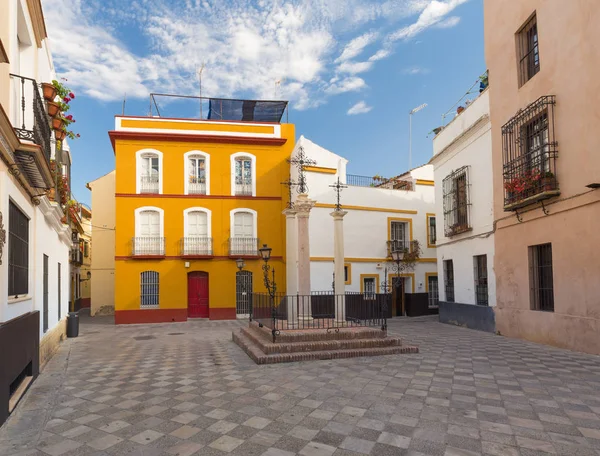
568, 37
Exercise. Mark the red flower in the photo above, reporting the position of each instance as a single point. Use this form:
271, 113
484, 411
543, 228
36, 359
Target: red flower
78, 135
69, 117
72, 95
66, 100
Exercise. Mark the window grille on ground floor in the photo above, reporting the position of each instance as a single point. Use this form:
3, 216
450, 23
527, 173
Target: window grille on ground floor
540, 277
149, 297
449, 280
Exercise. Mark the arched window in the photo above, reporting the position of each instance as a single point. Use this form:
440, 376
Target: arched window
149, 231
149, 293
197, 232
243, 240
149, 171
197, 173
243, 174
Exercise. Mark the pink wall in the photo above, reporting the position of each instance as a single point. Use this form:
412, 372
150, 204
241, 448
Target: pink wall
569, 49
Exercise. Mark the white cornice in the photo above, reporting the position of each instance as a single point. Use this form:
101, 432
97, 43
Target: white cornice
53, 215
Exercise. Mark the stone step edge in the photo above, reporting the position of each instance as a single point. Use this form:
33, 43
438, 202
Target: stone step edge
268, 347
261, 358
319, 334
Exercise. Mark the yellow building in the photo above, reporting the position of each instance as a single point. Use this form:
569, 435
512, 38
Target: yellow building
192, 197
85, 242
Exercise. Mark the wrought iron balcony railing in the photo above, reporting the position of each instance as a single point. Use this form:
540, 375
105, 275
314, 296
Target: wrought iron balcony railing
149, 183
197, 186
354, 180
76, 255
398, 245
529, 155
243, 246
243, 188
148, 246
456, 192
196, 246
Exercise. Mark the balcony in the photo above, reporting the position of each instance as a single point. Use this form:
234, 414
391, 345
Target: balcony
243, 246
243, 187
529, 155
201, 247
149, 184
76, 256
31, 125
148, 247
393, 183
197, 186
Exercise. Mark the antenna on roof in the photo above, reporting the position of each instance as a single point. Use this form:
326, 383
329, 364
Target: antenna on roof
278, 88
200, 70
124, 100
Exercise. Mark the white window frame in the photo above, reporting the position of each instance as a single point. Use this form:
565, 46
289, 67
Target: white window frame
138, 169
186, 175
186, 214
161, 214
254, 221
233, 159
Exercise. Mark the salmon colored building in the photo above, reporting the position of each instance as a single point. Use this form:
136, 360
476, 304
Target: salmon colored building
543, 65
192, 198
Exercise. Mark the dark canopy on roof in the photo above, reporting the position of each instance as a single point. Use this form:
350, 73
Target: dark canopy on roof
246, 110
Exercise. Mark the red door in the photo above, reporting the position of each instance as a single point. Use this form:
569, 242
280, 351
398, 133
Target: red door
198, 295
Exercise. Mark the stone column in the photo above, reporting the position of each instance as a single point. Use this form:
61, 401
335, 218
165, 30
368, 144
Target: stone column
303, 206
338, 265
291, 270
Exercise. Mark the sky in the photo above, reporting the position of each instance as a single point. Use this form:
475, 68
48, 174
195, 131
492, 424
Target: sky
351, 69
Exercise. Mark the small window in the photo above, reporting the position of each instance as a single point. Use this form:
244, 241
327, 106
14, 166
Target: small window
150, 174
348, 274
197, 175
456, 202
541, 278
449, 280
86, 249
433, 291
148, 232
18, 251
481, 279
243, 239
431, 236
369, 287
243, 176
528, 51
149, 292
399, 235
59, 291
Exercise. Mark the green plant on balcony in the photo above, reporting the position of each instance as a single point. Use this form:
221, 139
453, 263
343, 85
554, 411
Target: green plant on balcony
61, 126
60, 193
528, 184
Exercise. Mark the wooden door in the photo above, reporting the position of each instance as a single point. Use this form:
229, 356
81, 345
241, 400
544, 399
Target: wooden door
398, 296
198, 295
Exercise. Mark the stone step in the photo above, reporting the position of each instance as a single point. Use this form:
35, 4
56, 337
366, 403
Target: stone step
259, 357
268, 347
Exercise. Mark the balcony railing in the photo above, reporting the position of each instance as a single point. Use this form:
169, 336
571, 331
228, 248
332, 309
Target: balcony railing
197, 186
76, 256
529, 155
398, 245
243, 188
148, 246
149, 184
243, 246
196, 246
393, 183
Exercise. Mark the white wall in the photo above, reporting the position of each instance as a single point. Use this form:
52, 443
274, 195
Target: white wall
467, 141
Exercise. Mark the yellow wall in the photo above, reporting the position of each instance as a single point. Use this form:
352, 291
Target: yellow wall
271, 169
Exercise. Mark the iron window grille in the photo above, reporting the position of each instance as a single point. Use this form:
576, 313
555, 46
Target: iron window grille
541, 278
59, 291
431, 228
18, 251
149, 296
433, 295
369, 287
449, 280
529, 155
45, 295
481, 280
529, 51
456, 201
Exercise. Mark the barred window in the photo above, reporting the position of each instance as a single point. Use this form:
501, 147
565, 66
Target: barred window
433, 291
456, 202
149, 292
481, 279
18, 251
541, 278
432, 238
528, 50
449, 280
369, 287
399, 235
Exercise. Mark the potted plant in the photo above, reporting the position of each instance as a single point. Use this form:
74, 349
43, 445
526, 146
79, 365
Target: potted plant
58, 123
548, 181
460, 109
65, 96
60, 134
49, 91
53, 109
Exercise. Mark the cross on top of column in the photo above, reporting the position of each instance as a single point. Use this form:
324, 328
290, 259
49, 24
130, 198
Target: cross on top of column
338, 187
289, 184
301, 160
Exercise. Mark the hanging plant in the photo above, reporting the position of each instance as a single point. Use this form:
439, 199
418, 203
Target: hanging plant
49, 91
65, 96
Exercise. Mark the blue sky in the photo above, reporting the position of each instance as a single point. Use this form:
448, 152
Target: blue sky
352, 69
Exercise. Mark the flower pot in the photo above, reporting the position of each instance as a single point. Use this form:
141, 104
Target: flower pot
60, 134
53, 109
52, 194
49, 91
460, 109
548, 184
58, 123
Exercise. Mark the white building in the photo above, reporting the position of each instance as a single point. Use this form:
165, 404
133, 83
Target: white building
377, 213
34, 243
463, 176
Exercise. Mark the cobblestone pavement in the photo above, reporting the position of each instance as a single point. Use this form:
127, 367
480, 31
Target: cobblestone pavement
185, 389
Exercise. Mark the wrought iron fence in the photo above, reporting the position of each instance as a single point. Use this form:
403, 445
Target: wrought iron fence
393, 183
323, 310
149, 183
76, 255
197, 186
150, 245
31, 120
243, 188
529, 154
196, 245
243, 246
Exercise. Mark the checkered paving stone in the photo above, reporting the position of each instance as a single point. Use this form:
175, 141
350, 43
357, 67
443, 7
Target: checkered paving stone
190, 391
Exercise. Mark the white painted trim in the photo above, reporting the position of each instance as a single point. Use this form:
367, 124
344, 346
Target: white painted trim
161, 213
232, 159
138, 168
191, 154
254, 220
208, 213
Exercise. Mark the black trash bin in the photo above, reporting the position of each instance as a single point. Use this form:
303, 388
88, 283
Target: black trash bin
73, 324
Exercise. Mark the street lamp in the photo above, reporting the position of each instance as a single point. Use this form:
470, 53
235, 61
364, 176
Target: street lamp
270, 285
410, 114
240, 263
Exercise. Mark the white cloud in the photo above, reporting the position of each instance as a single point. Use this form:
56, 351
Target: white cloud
380, 54
350, 84
415, 70
356, 46
452, 21
359, 108
355, 67
433, 14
